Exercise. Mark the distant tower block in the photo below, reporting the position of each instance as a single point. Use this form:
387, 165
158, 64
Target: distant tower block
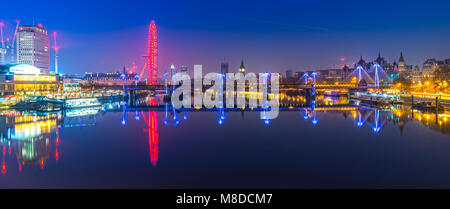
152, 54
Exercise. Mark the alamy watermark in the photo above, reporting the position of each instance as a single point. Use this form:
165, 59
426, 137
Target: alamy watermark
260, 92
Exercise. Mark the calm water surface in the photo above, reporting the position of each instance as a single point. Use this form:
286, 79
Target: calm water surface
343, 147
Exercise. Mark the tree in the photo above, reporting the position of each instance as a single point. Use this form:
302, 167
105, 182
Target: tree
442, 73
402, 83
441, 79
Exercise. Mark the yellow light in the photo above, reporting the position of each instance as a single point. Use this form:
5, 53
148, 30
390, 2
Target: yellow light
34, 78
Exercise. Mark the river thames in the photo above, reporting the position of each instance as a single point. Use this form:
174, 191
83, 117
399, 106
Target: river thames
337, 146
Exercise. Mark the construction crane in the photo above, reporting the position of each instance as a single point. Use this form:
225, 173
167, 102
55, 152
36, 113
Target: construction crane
9, 45
15, 34
3, 49
1, 32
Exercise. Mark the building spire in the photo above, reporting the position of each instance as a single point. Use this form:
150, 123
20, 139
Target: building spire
401, 58
242, 67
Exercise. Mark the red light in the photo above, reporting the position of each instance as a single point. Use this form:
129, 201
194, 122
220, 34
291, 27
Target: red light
9, 150
4, 167
342, 59
20, 168
56, 155
342, 66
152, 54
42, 162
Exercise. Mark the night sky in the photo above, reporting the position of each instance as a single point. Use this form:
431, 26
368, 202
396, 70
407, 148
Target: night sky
105, 35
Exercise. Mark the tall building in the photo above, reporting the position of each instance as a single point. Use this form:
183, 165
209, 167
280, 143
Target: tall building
381, 61
429, 67
401, 64
33, 47
242, 67
224, 68
361, 63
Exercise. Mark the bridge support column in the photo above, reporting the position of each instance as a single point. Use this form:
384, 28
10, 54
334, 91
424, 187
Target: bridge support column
132, 98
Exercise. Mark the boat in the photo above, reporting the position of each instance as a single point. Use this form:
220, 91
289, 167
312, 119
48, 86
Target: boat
6, 102
39, 103
373, 100
427, 107
81, 102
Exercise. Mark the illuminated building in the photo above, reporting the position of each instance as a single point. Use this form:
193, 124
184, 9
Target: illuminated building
330, 74
429, 67
404, 69
401, 64
416, 75
26, 79
33, 47
71, 87
242, 67
108, 79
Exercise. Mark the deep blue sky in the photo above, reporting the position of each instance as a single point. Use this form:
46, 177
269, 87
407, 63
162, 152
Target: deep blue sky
104, 35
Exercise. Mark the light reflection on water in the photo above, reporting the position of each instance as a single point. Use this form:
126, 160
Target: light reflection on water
49, 149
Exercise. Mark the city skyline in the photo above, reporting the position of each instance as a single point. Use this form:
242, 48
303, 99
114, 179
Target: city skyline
201, 98
288, 38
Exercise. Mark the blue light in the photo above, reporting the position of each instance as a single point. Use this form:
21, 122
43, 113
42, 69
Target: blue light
360, 124
376, 129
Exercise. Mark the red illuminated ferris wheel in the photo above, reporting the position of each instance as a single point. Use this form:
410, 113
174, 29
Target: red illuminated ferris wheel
151, 63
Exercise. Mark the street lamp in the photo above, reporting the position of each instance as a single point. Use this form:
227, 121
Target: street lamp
136, 79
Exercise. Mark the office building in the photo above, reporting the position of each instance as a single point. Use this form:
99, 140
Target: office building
33, 47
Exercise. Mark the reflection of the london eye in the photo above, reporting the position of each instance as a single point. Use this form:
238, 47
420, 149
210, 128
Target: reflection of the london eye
153, 134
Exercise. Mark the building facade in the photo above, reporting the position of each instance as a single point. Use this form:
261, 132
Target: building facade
24, 79
33, 47
416, 75
429, 68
